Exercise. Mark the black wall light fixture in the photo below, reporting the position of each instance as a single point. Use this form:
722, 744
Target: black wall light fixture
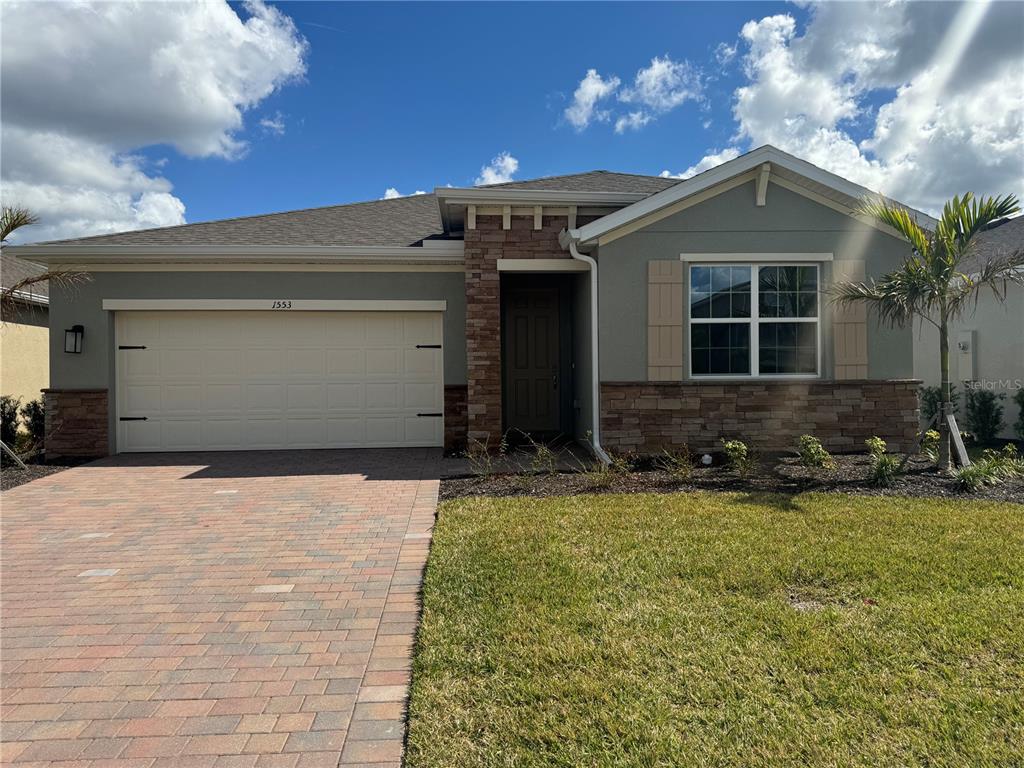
73, 339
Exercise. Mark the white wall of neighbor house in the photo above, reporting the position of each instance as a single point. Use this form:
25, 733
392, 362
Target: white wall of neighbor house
995, 332
732, 223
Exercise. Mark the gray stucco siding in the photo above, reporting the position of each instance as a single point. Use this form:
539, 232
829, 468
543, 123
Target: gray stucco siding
732, 223
83, 305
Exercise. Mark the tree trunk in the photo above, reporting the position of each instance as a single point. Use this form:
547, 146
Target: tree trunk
946, 408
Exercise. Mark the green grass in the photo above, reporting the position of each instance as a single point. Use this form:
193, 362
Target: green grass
660, 630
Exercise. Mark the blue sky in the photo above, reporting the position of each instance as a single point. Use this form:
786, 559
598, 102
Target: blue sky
124, 116
414, 96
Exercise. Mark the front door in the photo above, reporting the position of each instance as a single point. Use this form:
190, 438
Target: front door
531, 361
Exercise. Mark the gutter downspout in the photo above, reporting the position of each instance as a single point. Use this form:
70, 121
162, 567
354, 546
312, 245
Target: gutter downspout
595, 377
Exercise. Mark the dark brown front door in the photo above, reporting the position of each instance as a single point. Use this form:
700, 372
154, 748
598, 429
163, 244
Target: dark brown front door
531, 364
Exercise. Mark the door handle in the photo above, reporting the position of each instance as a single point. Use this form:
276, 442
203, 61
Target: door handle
554, 381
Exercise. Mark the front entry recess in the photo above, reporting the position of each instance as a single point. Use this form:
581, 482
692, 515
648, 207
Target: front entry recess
533, 386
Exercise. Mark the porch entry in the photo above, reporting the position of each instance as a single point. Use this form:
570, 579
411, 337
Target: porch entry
537, 356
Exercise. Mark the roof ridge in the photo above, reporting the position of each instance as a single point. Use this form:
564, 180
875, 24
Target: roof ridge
571, 175
236, 218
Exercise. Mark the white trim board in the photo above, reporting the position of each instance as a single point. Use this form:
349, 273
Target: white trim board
756, 257
265, 267
283, 304
541, 265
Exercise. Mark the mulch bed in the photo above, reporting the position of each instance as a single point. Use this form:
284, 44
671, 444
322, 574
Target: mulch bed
784, 475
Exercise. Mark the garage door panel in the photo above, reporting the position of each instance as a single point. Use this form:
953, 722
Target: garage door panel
263, 380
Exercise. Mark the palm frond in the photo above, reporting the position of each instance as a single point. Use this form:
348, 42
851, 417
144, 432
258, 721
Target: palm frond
15, 296
899, 218
14, 217
964, 217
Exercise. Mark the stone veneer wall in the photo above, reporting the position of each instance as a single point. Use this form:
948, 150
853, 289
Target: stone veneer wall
455, 417
483, 247
76, 423
647, 417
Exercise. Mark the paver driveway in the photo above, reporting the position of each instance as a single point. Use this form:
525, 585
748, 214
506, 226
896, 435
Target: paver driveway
235, 609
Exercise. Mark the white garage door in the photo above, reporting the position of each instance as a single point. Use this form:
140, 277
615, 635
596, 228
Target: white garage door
236, 380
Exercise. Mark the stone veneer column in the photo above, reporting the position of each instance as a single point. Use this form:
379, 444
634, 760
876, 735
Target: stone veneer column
484, 245
76, 423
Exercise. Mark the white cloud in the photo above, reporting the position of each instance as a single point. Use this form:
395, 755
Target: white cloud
951, 117
391, 193
500, 170
725, 53
591, 90
706, 163
663, 85
85, 86
274, 124
633, 120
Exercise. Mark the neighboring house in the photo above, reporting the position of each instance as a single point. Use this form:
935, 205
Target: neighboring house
635, 311
24, 333
987, 344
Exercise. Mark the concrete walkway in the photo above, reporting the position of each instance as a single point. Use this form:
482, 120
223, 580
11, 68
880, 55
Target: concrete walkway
219, 609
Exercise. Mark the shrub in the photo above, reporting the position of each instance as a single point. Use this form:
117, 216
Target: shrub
1018, 426
930, 444
738, 456
885, 468
991, 469
984, 414
481, 457
9, 419
931, 399
876, 445
677, 463
813, 453
34, 418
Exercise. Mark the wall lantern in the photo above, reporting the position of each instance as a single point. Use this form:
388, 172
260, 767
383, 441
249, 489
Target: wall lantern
73, 339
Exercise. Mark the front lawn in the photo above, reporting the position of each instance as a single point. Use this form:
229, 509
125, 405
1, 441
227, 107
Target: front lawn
721, 629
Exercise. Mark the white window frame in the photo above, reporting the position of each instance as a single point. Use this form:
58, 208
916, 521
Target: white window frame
753, 321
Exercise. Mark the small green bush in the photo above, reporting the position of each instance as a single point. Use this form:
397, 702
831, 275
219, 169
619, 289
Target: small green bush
876, 445
677, 463
984, 414
813, 453
9, 419
738, 457
885, 468
34, 418
992, 468
931, 400
930, 444
1018, 426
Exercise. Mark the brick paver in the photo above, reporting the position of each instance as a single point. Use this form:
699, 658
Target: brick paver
232, 609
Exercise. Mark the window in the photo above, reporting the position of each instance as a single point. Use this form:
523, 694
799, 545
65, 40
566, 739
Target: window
734, 332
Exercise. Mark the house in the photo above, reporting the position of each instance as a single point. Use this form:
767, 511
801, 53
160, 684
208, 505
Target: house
631, 312
987, 343
24, 332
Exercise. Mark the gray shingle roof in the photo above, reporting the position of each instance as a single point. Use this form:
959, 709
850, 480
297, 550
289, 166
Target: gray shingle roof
398, 222
1000, 241
13, 270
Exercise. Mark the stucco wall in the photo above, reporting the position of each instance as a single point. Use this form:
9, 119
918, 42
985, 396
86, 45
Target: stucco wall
732, 223
24, 354
94, 368
998, 350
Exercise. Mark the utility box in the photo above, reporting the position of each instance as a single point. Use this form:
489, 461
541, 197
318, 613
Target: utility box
966, 344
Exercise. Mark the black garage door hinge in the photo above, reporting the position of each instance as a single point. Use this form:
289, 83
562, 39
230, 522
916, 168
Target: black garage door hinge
133, 418
435, 415
126, 346
428, 346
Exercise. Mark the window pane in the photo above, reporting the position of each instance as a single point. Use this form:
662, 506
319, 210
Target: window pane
720, 348
788, 348
719, 292
788, 291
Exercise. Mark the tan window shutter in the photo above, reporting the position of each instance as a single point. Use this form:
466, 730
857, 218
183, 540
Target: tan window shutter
850, 327
664, 320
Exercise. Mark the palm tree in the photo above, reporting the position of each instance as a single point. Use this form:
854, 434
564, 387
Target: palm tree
12, 296
933, 284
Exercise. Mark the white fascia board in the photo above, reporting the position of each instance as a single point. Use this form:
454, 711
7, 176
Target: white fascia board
727, 170
28, 297
143, 254
473, 195
283, 304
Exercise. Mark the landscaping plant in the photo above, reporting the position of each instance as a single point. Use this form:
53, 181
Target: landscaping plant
936, 284
9, 419
738, 456
1018, 426
931, 402
930, 444
876, 445
991, 469
813, 453
984, 414
34, 418
885, 468
677, 463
